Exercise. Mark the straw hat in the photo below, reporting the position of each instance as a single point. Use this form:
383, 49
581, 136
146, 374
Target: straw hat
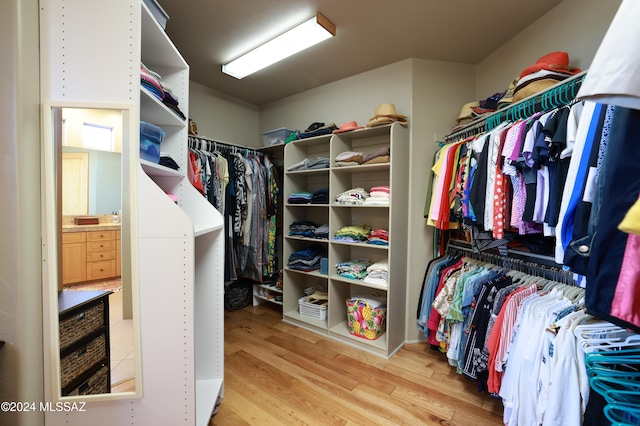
385, 114
533, 88
466, 111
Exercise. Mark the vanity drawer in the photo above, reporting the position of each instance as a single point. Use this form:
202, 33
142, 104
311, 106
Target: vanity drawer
96, 384
73, 237
101, 235
80, 360
101, 269
101, 245
95, 256
81, 324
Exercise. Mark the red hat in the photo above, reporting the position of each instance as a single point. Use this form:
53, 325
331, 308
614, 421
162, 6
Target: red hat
554, 61
346, 127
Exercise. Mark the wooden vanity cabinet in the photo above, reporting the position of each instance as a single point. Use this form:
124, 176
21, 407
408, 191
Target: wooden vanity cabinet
90, 256
101, 255
74, 257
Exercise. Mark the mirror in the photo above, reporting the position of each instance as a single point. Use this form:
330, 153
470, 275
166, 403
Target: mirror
93, 306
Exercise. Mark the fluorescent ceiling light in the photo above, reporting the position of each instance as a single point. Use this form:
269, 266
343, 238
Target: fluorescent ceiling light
305, 35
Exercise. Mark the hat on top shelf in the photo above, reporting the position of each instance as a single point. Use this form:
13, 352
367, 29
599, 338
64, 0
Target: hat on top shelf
554, 61
386, 114
507, 99
546, 72
347, 127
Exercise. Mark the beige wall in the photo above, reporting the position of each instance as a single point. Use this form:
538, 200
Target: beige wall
574, 26
222, 117
353, 98
439, 90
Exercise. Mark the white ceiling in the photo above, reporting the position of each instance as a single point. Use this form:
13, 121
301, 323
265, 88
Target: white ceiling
370, 34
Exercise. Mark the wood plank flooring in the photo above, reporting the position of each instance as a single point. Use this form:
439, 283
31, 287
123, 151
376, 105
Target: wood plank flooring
279, 374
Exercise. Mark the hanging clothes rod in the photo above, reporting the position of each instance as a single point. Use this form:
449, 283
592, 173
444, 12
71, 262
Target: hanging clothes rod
561, 94
211, 145
518, 260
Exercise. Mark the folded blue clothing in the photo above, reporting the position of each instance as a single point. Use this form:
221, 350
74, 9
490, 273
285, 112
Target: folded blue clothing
308, 253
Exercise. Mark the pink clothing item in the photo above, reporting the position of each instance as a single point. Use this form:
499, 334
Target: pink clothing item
626, 300
380, 189
520, 128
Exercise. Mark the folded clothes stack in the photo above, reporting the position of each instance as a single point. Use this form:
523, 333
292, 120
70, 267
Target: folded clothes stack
380, 155
318, 129
167, 161
354, 196
303, 228
154, 84
353, 233
349, 158
378, 196
353, 269
378, 273
307, 259
379, 237
307, 164
301, 197
320, 196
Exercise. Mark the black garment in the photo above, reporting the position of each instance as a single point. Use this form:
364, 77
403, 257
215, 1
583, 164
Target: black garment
478, 188
622, 186
555, 138
474, 359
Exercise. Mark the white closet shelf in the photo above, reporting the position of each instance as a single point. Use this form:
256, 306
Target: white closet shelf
305, 205
311, 240
371, 246
155, 112
361, 206
157, 47
315, 273
313, 172
153, 169
366, 132
296, 316
361, 168
207, 392
342, 330
257, 296
202, 229
274, 289
361, 283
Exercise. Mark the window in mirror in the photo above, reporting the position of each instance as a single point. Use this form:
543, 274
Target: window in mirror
97, 137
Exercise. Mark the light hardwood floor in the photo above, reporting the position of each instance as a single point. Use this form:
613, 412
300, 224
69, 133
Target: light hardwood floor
278, 374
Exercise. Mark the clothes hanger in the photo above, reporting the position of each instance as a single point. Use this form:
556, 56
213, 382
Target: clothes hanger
622, 414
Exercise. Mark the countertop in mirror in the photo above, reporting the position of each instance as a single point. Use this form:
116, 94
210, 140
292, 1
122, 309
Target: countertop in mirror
98, 227
105, 223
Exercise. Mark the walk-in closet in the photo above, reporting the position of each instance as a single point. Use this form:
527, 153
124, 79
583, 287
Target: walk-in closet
428, 215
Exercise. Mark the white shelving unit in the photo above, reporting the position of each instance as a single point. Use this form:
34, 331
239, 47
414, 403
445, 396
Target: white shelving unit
393, 218
183, 250
178, 248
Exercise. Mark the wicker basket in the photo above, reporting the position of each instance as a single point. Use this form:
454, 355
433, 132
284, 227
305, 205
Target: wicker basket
96, 384
76, 327
365, 321
78, 361
318, 312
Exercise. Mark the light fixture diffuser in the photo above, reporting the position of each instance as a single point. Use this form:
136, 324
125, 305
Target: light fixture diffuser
303, 36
